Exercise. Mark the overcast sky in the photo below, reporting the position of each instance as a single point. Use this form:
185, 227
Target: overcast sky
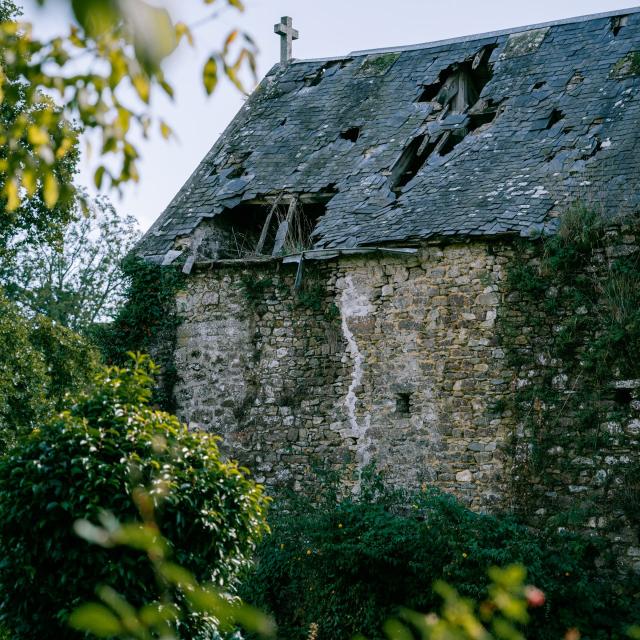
327, 28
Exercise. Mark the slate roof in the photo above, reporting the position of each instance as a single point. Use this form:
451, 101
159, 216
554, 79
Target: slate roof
507, 177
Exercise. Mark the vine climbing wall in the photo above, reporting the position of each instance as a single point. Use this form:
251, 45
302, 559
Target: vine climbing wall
503, 372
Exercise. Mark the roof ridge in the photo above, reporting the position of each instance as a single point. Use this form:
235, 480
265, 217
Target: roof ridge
479, 36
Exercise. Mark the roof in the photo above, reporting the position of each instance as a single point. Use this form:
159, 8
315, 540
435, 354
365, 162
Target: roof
479, 136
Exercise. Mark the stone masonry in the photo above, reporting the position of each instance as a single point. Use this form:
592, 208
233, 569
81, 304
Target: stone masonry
398, 366
397, 361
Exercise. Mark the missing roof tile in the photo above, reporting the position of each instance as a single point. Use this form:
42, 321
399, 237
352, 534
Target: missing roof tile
352, 134
418, 151
459, 85
555, 117
539, 85
618, 23
576, 80
314, 78
415, 154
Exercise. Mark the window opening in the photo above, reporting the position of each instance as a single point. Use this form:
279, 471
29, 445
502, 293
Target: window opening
622, 396
403, 404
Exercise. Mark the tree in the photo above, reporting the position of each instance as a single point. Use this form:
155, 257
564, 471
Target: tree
40, 361
30, 212
75, 280
92, 459
122, 45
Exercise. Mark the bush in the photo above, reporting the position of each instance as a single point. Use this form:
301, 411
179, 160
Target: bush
91, 458
347, 566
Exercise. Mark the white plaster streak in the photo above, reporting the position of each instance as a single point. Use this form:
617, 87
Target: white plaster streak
355, 305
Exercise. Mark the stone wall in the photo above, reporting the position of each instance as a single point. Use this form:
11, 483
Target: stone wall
399, 364
404, 361
575, 392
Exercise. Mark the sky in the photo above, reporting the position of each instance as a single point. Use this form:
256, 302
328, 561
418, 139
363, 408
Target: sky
327, 28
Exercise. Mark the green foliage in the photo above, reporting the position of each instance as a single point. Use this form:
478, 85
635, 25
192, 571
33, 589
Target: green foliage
90, 460
182, 598
378, 64
146, 322
70, 360
500, 616
123, 44
312, 296
40, 362
255, 288
27, 215
348, 566
593, 301
23, 376
75, 279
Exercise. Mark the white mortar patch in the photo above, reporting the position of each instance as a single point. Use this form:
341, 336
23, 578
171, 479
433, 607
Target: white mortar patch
355, 304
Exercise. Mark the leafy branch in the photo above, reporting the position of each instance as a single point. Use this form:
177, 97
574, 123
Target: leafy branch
116, 49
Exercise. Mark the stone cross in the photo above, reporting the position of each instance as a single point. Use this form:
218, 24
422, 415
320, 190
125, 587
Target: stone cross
287, 35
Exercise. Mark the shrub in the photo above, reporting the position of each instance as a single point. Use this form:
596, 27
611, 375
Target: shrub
92, 458
347, 566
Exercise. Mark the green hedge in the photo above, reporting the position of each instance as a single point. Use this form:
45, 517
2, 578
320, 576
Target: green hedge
349, 565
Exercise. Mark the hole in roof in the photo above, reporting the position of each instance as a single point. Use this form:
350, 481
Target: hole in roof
352, 134
283, 122
539, 85
459, 85
410, 162
618, 23
328, 69
596, 147
233, 167
555, 117
248, 230
418, 151
575, 81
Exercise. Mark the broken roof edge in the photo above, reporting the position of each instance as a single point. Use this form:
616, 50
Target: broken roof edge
477, 36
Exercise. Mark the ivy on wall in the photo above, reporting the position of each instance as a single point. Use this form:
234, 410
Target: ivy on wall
146, 323
571, 330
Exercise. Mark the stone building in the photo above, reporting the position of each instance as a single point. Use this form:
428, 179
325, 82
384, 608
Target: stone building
347, 242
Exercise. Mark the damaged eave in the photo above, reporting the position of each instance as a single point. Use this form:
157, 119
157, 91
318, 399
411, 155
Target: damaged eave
294, 258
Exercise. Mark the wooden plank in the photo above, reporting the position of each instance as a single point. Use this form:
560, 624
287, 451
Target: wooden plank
265, 228
283, 229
